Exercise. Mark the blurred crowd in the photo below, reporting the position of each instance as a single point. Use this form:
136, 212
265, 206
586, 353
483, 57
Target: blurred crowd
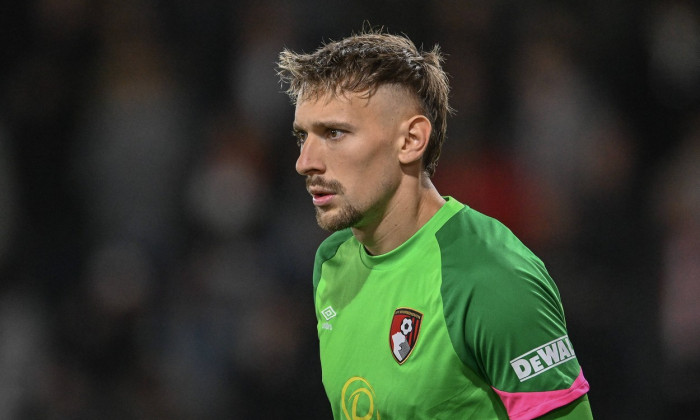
156, 244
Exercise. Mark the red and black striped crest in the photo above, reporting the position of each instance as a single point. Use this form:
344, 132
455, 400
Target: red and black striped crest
403, 334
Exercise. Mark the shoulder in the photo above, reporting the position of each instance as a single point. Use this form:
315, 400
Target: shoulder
328, 249
485, 263
481, 246
494, 288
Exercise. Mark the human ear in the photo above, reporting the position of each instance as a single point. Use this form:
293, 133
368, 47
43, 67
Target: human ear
415, 139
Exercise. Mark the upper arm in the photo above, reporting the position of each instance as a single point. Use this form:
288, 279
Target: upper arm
519, 339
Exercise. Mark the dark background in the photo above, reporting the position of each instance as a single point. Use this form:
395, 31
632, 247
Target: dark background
156, 245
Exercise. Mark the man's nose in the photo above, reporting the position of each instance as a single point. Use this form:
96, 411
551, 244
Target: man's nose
310, 160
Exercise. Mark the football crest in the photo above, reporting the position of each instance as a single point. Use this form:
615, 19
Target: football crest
404, 332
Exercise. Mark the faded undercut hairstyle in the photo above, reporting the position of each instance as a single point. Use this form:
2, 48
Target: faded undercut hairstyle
361, 64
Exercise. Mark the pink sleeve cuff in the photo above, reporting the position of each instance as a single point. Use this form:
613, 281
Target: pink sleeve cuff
528, 405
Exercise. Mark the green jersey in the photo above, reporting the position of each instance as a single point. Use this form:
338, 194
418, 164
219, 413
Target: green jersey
460, 321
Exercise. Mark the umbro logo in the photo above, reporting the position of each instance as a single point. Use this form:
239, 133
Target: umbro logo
328, 313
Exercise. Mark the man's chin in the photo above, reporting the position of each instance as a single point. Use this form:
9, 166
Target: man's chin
337, 219
329, 223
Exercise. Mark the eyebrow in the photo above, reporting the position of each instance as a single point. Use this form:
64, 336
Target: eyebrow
324, 125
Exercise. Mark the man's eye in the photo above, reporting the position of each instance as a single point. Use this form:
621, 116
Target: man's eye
300, 136
334, 133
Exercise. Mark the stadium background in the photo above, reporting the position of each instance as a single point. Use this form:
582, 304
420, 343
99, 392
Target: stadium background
156, 244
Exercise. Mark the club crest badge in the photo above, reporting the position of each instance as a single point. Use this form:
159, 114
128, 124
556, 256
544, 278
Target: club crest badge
404, 332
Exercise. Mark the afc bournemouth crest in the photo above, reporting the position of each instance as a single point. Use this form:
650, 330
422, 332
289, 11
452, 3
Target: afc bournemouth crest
404, 332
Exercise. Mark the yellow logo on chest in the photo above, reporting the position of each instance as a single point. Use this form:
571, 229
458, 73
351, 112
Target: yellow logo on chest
358, 394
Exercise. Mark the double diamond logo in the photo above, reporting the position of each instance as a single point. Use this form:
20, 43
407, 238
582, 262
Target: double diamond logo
328, 313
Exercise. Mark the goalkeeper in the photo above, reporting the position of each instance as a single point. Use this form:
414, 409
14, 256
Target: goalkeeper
426, 308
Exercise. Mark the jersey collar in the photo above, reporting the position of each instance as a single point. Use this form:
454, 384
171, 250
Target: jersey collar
412, 244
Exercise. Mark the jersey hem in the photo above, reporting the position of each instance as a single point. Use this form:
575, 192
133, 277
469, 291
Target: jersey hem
529, 405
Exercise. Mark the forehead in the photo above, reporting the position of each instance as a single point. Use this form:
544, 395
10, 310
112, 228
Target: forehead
328, 102
384, 101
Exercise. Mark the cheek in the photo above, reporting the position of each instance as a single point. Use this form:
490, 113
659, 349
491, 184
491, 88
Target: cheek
378, 159
366, 170
373, 176
384, 165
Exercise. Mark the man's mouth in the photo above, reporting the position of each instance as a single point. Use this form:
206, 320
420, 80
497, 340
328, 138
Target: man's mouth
323, 191
322, 198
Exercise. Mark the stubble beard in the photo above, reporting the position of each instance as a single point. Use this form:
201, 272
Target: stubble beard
347, 216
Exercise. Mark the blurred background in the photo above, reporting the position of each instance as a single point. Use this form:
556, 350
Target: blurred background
156, 244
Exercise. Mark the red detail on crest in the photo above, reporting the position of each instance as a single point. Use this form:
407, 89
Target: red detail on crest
403, 333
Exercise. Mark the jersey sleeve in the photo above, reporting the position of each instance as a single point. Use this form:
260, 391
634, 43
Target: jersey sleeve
517, 334
507, 322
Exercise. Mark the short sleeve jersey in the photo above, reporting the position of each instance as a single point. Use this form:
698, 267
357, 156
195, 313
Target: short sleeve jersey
460, 321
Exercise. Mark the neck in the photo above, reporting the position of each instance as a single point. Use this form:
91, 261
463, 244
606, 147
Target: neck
406, 212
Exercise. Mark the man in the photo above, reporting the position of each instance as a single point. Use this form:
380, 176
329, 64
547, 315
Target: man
426, 308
